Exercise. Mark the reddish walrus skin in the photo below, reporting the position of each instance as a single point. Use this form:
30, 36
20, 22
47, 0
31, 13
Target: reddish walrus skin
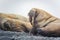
9, 22
43, 23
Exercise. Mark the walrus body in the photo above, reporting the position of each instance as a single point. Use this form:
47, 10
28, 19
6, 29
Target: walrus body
13, 16
10, 22
44, 23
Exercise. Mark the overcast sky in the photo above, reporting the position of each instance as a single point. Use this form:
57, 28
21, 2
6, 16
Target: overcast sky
22, 7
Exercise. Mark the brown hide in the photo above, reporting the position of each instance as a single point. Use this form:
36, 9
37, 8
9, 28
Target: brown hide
9, 22
44, 23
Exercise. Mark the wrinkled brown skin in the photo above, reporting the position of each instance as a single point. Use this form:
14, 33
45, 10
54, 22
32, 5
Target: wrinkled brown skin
44, 23
9, 22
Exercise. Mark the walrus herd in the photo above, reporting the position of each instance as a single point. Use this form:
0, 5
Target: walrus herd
40, 22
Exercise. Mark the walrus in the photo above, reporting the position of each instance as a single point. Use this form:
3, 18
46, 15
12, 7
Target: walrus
44, 23
11, 24
13, 16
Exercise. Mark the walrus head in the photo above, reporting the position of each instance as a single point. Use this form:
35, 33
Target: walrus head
37, 15
37, 18
32, 15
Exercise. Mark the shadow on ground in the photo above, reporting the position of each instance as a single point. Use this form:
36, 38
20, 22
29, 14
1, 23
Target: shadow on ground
8, 35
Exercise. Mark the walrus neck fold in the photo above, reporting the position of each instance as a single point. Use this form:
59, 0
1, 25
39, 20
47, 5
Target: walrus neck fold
51, 19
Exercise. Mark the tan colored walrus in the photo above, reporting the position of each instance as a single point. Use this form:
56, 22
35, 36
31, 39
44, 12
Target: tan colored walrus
13, 16
44, 23
9, 23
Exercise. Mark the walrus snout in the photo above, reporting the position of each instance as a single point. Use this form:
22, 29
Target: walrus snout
32, 15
